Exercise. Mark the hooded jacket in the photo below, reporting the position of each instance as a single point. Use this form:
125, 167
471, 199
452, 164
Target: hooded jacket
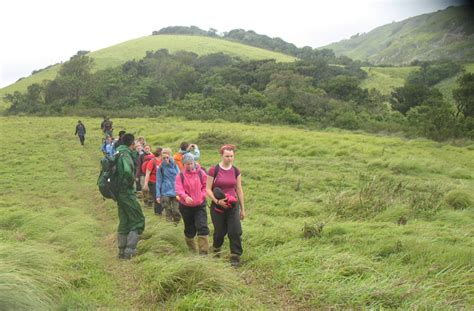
166, 179
125, 168
192, 187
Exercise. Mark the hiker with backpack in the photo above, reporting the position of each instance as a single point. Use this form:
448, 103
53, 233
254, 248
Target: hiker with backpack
81, 132
224, 188
107, 127
186, 148
131, 218
191, 190
140, 175
165, 186
149, 184
108, 146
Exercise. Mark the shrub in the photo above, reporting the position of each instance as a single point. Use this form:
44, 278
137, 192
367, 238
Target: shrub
458, 199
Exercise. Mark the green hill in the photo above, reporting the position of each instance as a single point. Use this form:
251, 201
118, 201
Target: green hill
135, 49
443, 34
386, 79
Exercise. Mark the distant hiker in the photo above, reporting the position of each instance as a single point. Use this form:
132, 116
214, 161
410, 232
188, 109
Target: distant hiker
184, 149
108, 146
165, 186
140, 175
107, 127
191, 190
119, 142
150, 180
226, 215
81, 132
131, 218
141, 141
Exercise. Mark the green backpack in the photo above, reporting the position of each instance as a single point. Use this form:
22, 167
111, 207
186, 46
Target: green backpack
107, 181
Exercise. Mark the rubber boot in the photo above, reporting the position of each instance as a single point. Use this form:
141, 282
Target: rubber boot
203, 243
191, 242
122, 244
234, 260
216, 252
132, 241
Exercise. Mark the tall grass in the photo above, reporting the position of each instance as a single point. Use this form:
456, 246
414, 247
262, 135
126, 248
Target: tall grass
334, 220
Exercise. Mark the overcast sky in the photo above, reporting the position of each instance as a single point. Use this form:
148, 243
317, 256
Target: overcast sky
37, 33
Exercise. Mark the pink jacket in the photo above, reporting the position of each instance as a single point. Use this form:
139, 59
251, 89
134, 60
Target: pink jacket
192, 186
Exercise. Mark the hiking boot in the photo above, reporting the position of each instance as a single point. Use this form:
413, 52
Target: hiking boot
203, 243
216, 252
132, 241
122, 244
235, 260
191, 242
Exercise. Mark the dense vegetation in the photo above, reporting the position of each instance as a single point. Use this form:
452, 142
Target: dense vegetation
218, 86
446, 33
250, 37
335, 220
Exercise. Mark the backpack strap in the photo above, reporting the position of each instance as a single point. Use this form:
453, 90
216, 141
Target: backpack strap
216, 171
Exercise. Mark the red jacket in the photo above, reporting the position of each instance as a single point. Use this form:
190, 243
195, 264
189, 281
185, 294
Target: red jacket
194, 186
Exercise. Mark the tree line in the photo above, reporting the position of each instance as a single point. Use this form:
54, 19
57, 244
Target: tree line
310, 92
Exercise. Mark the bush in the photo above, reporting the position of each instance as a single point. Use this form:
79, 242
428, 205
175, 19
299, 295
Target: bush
458, 199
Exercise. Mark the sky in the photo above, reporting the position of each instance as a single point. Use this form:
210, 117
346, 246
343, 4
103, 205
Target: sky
35, 34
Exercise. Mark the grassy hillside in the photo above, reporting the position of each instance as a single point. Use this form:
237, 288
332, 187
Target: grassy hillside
443, 34
136, 49
397, 218
385, 79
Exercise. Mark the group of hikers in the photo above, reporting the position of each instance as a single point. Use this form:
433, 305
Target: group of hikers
177, 186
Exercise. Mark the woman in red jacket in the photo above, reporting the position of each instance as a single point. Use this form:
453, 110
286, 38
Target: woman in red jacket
191, 190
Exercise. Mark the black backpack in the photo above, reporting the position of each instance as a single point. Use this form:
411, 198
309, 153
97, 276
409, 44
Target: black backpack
107, 181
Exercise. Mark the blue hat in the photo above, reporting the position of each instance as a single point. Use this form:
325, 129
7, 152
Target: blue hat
188, 157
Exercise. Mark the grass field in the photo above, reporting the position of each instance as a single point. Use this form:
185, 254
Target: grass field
137, 48
385, 79
335, 220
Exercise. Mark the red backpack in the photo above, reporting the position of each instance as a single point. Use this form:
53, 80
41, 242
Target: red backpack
145, 162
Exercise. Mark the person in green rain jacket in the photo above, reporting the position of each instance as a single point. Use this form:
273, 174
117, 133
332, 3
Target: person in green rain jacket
131, 218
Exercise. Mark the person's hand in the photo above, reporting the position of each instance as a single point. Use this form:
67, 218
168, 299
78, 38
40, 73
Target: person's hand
189, 200
145, 188
158, 200
242, 214
222, 203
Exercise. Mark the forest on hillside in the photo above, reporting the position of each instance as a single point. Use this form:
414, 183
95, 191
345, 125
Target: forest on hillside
320, 90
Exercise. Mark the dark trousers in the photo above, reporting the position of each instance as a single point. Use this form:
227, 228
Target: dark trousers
227, 223
156, 206
82, 138
195, 220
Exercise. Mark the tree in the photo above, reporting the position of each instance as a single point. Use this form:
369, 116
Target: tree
412, 95
464, 95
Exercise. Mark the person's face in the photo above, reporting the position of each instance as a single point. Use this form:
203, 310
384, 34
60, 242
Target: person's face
166, 158
133, 146
228, 156
189, 166
138, 147
147, 149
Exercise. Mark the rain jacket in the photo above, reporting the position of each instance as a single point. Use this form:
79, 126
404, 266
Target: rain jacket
193, 186
166, 178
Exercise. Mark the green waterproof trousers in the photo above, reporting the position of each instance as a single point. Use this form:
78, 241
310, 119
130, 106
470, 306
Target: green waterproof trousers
130, 213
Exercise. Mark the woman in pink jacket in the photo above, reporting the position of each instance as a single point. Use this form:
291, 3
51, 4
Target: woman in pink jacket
191, 190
